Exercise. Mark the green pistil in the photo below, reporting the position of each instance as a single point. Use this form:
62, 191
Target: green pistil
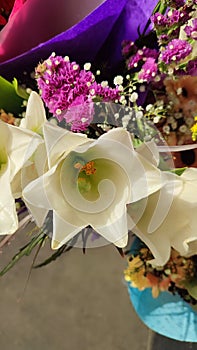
84, 184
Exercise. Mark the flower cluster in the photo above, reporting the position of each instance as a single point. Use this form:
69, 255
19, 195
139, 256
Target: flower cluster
149, 70
65, 87
176, 276
191, 30
166, 72
176, 51
86, 158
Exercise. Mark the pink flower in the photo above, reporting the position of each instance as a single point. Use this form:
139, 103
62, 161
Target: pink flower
191, 31
79, 114
62, 82
175, 51
149, 70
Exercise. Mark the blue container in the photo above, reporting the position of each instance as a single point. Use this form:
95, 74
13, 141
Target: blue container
168, 315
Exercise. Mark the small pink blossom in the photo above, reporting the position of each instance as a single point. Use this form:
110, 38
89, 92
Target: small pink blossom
149, 70
175, 51
79, 114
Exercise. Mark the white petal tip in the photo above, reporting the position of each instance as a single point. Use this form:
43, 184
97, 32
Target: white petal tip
121, 243
55, 245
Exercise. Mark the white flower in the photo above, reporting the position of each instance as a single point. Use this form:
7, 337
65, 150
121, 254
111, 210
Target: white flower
118, 80
87, 66
183, 128
16, 146
133, 97
34, 120
156, 119
166, 129
35, 114
169, 218
104, 83
149, 107
90, 182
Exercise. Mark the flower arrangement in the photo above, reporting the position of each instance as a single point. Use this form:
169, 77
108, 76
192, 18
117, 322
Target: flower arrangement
178, 275
95, 157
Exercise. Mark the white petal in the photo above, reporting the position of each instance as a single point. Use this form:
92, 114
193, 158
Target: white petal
40, 159
8, 216
169, 220
35, 113
149, 151
20, 145
39, 214
60, 142
16, 185
63, 231
119, 135
36, 198
115, 232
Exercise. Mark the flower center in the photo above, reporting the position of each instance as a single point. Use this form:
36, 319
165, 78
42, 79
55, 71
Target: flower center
84, 180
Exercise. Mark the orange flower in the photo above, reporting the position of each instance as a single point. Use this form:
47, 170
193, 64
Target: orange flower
7, 117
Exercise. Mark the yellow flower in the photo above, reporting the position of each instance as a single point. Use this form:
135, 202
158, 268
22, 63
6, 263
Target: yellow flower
135, 273
194, 130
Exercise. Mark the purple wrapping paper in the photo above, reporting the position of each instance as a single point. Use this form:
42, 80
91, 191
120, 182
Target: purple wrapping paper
96, 38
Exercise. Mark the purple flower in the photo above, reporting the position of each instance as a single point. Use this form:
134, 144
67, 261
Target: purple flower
191, 31
164, 39
174, 16
178, 17
175, 51
79, 114
128, 47
134, 60
65, 87
106, 93
150, 52
192, 68
149, 70
159, 20
142, 55
61, 82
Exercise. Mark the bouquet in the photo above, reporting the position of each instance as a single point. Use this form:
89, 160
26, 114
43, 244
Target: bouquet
103, 150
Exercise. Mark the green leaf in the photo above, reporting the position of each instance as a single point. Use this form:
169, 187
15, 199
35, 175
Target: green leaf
9, 100
19, 90
178, 171
63, 249
192, 288
160, 7
26, 250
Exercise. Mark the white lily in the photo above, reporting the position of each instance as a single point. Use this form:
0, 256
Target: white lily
16, 146
34, 120
178, 227
35, 116
90, 182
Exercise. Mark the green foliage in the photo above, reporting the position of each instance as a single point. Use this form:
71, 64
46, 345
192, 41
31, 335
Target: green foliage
11, 99
192, 288
37, 240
